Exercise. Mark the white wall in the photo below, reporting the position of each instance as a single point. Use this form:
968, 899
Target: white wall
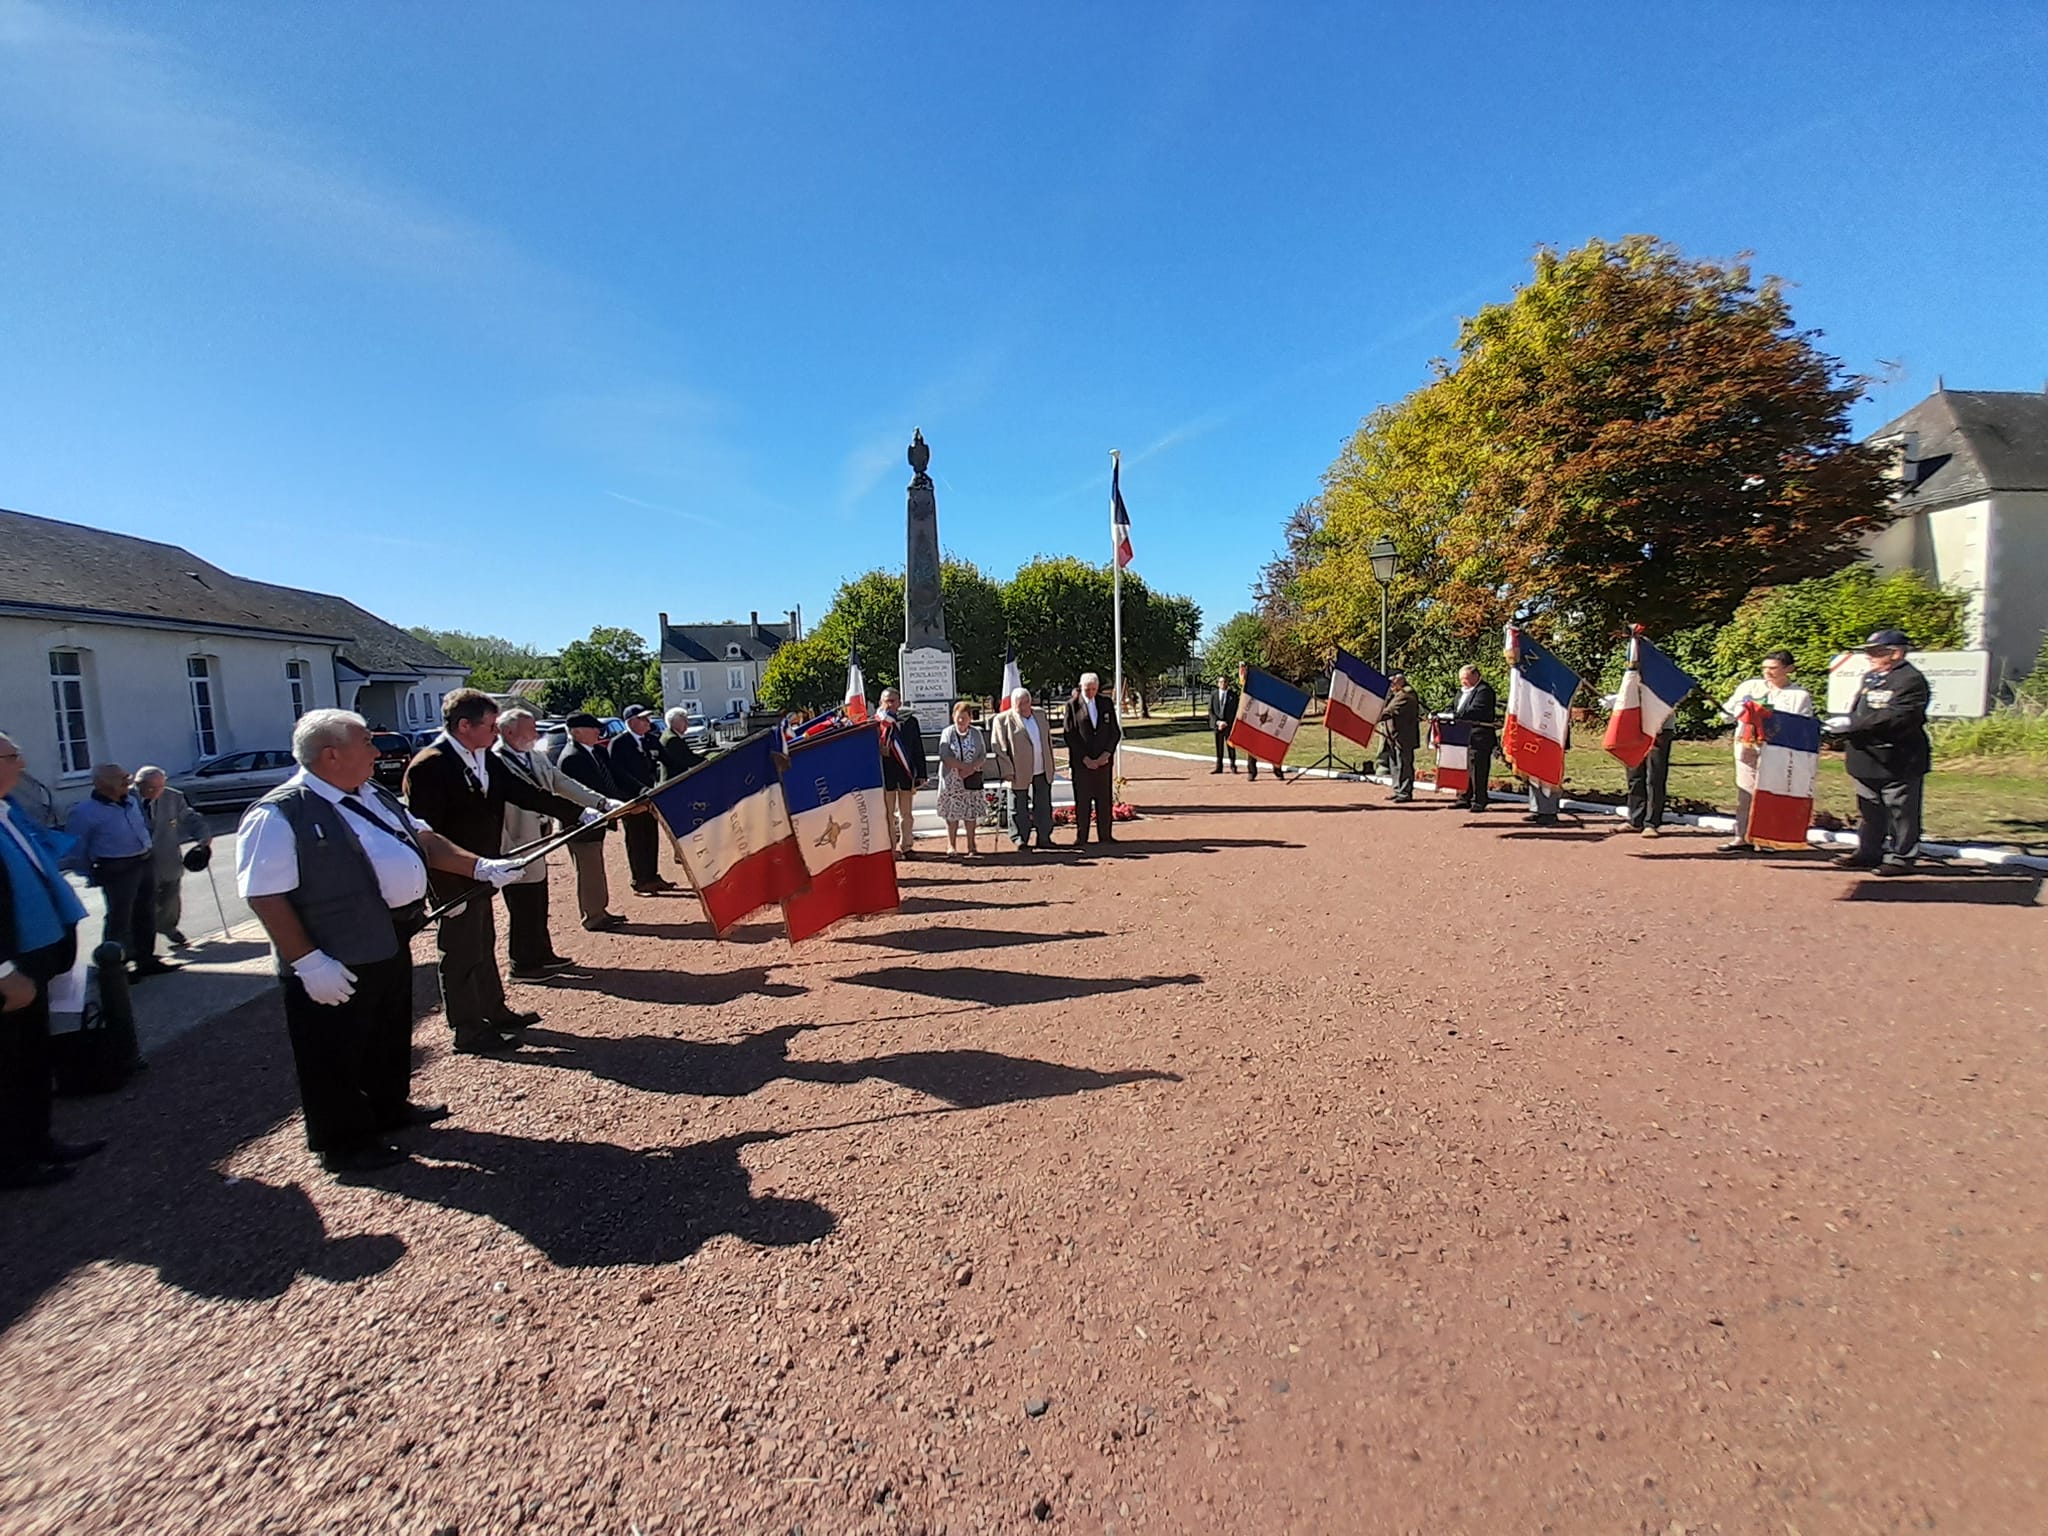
2016, 607
712, 696
1956, 547
138, 701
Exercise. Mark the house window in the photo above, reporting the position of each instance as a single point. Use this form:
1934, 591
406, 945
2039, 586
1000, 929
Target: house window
67, 698
686, 679
732, 651
696, 709
412, 709
739, 706
295, 679
199, 680
735, 678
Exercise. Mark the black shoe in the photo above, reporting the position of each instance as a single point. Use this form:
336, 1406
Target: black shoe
178, 939
660, 883
515, 1021
647, 890
560, 962
1857, 861
33, 1175
364, 1159
142, 970
603, 923
539, 972
72, 1151
483, 1042
1402, 799
418, 1114
1215, 770
1895, 864
1233, 767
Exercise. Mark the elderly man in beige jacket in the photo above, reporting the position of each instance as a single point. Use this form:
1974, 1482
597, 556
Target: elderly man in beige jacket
529, 944
1023, 744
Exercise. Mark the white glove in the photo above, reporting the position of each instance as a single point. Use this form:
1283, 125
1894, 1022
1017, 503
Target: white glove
1836, 723
612, 805
589, 815
500, 872
327, 980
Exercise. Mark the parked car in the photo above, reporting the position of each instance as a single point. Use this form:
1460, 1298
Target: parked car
698, 734
554, 736
235, 778
394, 751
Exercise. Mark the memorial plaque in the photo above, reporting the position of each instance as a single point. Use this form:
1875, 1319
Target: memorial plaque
1958, 682
927, 674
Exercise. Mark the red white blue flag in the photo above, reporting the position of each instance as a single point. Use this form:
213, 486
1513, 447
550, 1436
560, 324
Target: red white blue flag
1358, 693
1268, 714
856, 706
834, 789
1650, 692
1453, 742
1119, 519
733, 832
1787, 764
1540, 689
1013, 680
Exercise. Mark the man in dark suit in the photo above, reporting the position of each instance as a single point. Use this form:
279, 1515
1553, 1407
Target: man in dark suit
1222, 715
1888, 755
584, 760
455, 788
902, 776
634, 756
1092, 735
1479, 708
1401, 725
674, 751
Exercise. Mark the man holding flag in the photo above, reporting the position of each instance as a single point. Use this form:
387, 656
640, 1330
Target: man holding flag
1643, 725
1539, 722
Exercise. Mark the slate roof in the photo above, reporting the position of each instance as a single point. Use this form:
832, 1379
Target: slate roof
1973, 442
68, 568
707, 642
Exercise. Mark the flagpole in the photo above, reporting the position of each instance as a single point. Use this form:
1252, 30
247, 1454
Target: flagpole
1116, 579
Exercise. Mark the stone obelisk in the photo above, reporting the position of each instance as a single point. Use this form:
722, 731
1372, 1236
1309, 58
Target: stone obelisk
925, 660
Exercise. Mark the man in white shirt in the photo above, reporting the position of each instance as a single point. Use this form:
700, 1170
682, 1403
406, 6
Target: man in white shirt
335, 868
1023, 749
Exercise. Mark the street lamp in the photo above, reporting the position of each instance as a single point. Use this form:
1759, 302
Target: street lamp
1386, 559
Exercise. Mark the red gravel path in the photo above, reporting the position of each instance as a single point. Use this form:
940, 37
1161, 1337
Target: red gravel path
1314, 1169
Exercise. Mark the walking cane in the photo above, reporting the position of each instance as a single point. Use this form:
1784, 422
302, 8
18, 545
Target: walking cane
222, 911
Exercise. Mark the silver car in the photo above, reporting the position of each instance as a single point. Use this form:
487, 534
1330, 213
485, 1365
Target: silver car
235, 778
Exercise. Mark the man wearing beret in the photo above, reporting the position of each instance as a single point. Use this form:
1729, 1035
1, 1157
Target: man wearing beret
1888, 756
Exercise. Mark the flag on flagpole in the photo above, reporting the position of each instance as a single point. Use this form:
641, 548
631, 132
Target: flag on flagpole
1540, 689
856, 707
1358, 693
1787, 764
733, 833
1651, 689
1453, 742
1119, 519
1013, 680
1268, 714
834, 789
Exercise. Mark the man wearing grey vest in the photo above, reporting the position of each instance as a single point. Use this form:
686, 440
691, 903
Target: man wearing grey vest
335, 867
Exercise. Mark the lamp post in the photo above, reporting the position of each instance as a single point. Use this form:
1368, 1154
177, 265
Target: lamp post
1386, 559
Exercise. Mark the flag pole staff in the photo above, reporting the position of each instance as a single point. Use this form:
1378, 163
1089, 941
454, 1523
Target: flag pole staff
1116, 579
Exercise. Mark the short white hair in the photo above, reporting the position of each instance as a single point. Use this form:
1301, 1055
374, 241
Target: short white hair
508, 722
319, 729
1091, 677
677, 719
1021, 696
149, 771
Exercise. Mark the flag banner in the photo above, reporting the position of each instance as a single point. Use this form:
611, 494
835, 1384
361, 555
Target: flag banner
1012, 678
1119, 519
1453, 742
733, 833
834, 790
892, 743
1787, 764
1357, 695
856, 706
1540, 689
1268, 714
1650, 693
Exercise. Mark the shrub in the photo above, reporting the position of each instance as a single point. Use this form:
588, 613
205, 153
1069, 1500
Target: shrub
1817, 619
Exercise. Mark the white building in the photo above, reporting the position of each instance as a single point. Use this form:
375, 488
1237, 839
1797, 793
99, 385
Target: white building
1974, 468
119, 649
715, 669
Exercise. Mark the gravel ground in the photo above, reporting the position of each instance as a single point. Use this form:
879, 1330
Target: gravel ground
1301, 1168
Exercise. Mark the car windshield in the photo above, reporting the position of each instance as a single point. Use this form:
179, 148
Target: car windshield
391, 743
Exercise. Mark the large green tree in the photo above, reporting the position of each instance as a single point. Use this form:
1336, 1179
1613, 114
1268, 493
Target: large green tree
1060, 614
867, 614
609, 667
494, 662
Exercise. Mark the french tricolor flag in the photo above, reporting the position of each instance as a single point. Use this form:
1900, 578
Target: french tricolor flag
834, 788
856, 706
1453, 742
1540, 689
1787, 763
1268, 714
1013, 680
1357, 695
733, 832
1650, 692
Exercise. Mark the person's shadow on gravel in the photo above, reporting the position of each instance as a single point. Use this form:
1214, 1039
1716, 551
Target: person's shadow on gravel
589, 1203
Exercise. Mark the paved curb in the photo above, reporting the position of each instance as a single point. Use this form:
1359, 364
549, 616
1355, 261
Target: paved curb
1818, 837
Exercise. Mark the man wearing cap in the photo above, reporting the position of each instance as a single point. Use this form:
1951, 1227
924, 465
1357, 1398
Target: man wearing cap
584, 761
634, 756
1401, 727
1888, 756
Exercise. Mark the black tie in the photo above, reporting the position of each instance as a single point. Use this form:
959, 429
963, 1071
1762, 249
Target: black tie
402, 833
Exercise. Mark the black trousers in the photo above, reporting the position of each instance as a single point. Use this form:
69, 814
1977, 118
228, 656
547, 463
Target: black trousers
1402, 768
526, 918
1646, 783
25, 1086
1888, 817
1094, 793
354, 1059
129, 886
472, 991
1222, 746
643, 848
1479, 761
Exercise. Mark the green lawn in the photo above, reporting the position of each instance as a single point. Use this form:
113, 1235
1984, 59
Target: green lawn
1979, 800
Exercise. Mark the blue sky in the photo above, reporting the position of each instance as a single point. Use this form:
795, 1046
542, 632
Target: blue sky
551, 316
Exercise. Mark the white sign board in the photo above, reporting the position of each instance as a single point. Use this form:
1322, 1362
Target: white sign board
1958, 682
927, 674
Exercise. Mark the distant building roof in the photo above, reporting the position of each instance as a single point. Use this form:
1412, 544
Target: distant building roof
69, 569
709, 642
1971, 442
528, 688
